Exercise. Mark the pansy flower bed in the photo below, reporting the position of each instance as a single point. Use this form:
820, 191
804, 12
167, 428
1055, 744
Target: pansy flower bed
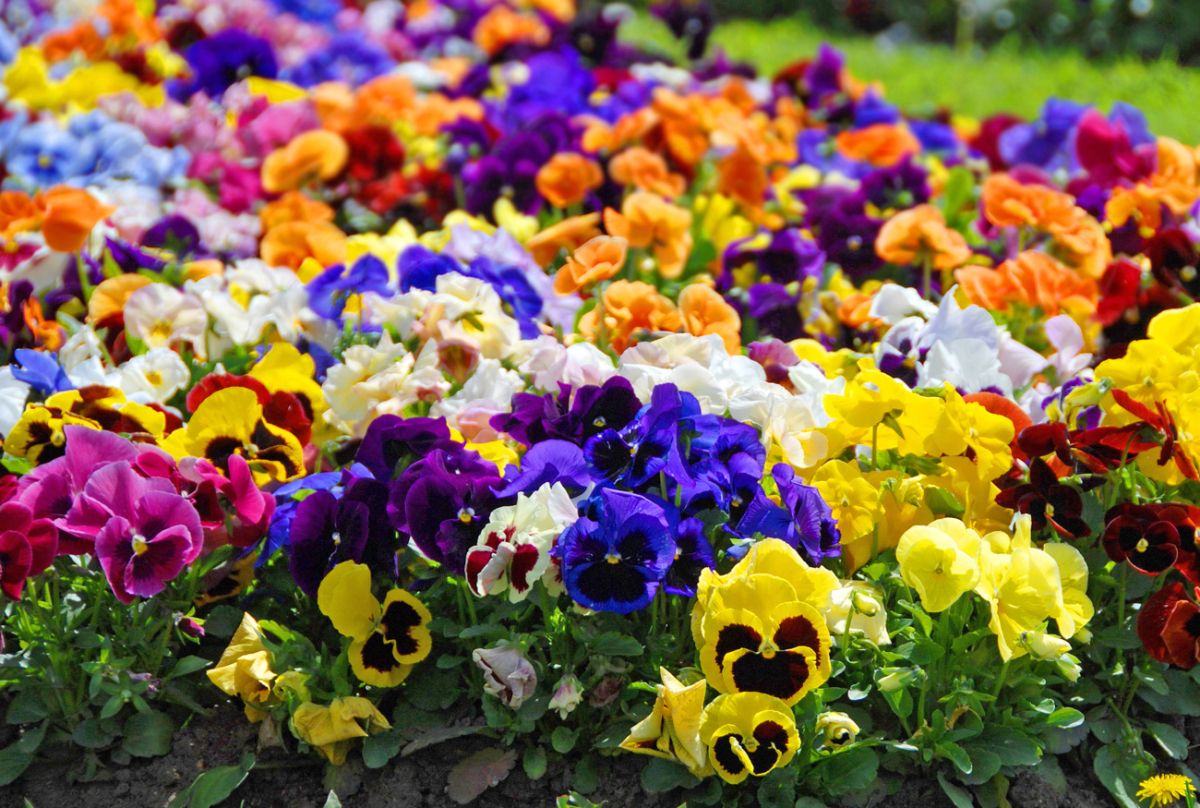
454, 374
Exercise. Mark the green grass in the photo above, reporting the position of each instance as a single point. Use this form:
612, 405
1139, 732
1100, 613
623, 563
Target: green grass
922, 78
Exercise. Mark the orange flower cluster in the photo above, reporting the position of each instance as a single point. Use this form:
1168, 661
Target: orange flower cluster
1033, 279
64, 215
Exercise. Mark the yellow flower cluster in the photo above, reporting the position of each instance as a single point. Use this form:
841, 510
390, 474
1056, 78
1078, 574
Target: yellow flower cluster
1025, 586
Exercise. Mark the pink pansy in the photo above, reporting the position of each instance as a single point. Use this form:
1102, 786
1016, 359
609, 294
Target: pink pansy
27, 547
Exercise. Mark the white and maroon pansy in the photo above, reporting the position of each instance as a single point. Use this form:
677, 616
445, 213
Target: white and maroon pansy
513, 552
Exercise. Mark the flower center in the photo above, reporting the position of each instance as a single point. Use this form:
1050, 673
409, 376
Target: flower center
140, 545
1143, 545
613, 558
465, 515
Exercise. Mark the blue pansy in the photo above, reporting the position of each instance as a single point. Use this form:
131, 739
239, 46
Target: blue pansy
614, 558
329, 291
40, 371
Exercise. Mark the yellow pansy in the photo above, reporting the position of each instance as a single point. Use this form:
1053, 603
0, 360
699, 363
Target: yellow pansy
244, 669
332, 728
966, 425
1027, 592
386, 640
748, 734
230, 422
512, 221
38, 434
939, 561
672, 729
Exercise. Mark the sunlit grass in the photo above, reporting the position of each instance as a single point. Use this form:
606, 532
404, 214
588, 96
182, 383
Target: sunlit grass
922, 78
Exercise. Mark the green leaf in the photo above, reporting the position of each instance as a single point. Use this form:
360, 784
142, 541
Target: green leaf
187, 665
778, 790
943, 502
26, 708
563, 739
661, 776
438, 735
957, 794
1014, 747
31, 741
1183, 697
222, 621
1065, 718
850, 770
534, 708
985, 764
13, 763
585, 778
1116, 637
379, 749
534, 762
956, 755
1112, 767
214, 786
613, 643
90, 734
148, 734
1170, 739
921, 651
111, 707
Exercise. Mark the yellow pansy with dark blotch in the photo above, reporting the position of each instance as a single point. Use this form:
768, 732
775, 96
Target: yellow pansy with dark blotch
111, 411
748, 734
387, 639
230, 422
782, 650
38, 434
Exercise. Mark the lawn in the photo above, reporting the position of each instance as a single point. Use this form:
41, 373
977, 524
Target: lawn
921, 78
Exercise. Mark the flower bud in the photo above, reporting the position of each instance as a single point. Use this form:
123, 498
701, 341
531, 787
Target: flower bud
836, 729
568, 693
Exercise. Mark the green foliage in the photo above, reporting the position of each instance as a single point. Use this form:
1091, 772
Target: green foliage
1004, 79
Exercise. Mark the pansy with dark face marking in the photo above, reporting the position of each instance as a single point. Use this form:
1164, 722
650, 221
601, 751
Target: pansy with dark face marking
615, 558
386, 640
748, 734
759, 637
230, 422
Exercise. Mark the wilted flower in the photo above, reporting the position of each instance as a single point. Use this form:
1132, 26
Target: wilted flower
333, 728
507, 674
672, 729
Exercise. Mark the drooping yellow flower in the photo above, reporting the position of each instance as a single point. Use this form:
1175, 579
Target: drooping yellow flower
244, 669
748, 734
386, 640
332, 728
939, 561
672, 729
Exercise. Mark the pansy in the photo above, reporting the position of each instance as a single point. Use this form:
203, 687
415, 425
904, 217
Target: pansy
513, 552
748, 734
672, 729
27, 547
386, 640
1167, 626
757, 636
1047, 501
231, 421
443, 500
507, 674
244, 669
615, 557
151, 532
332, 729
939, 561
327, 530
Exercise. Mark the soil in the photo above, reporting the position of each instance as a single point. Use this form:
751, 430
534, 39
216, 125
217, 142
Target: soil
420, 780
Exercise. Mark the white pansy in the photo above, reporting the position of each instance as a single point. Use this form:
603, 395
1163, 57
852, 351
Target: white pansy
159, 315
153, 377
